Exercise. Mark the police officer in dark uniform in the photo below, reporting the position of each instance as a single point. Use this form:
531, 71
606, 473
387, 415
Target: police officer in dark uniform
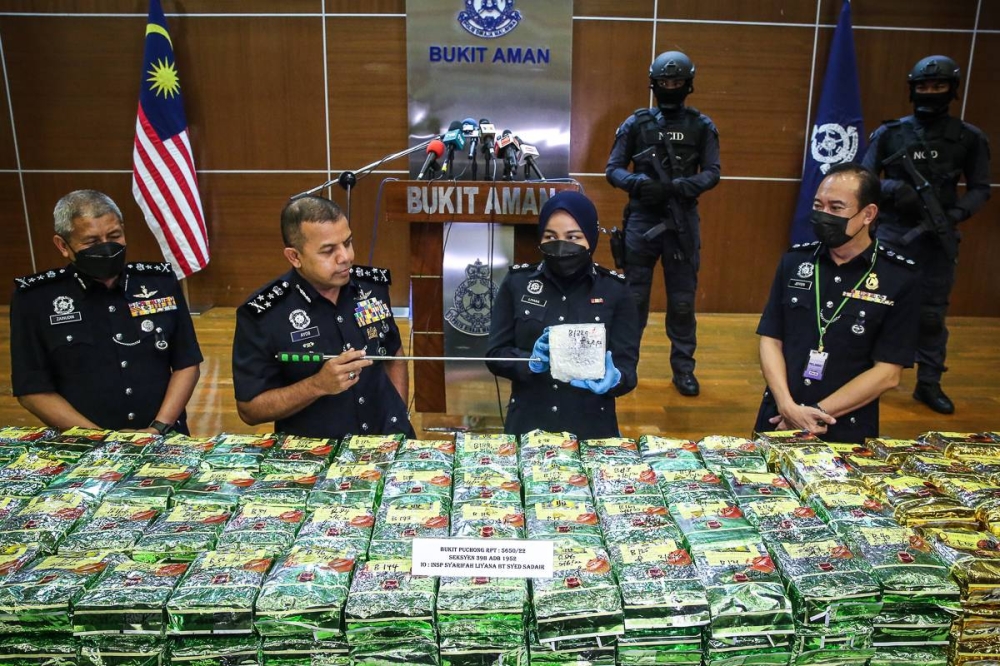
565, 288
101, 343
324, 305
922, 157
840, 323
674, 151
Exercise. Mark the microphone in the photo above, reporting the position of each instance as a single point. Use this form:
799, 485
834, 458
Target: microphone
488, 133
506, 147
471, 129
435, 149
527, 156
454, 138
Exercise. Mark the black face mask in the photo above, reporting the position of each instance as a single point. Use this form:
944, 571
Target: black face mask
931, 105
101, 262
672, 98
565, 259
831, 230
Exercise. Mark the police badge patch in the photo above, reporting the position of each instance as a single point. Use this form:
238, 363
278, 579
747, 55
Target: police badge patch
805, 270
535, 287
64, 311
489, 19
299, 320
470, 312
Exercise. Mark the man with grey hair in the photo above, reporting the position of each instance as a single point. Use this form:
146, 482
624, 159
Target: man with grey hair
101, 343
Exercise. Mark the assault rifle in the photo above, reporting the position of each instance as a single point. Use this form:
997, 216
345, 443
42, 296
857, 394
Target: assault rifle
934, 220
652, 154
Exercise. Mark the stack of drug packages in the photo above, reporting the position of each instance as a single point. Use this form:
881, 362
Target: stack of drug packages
577, 613
959, 474
482, 619
390, 612
750, 615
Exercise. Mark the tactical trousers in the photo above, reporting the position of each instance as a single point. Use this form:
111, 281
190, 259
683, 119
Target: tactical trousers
680, 276
937, 277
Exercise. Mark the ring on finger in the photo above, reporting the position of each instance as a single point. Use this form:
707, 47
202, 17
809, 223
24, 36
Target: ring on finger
352, 375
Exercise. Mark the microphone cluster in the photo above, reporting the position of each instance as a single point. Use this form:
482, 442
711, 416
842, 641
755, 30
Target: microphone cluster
480, 137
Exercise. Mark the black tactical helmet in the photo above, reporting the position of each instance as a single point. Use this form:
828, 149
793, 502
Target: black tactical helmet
672, 65
935, 67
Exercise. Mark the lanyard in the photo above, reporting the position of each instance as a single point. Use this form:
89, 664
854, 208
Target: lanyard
819, 321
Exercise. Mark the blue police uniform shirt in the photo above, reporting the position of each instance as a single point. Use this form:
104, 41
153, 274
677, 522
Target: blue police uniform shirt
109, 352
878, 323
530, 299
289, 315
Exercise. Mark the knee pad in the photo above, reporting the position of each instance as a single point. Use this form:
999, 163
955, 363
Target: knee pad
931, 322
680, 313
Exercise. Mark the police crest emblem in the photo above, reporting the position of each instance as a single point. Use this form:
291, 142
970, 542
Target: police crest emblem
871, 282
470, 312
299, 320
489, 19
833, 143
63, 305
805, 270
535, 287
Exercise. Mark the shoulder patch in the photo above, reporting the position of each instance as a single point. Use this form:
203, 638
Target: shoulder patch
267, 297
520, 268
154, 268
372, 274
31, 281
896, 256
643, 111
609, 272
804, 246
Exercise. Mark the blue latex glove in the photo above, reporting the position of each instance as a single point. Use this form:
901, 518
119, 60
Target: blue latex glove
612, 376
541, 352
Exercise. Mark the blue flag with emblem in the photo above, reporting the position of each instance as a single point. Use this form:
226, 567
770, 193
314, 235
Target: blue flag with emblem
838, 133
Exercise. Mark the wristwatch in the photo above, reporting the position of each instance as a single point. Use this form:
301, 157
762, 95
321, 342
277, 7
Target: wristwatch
161, 427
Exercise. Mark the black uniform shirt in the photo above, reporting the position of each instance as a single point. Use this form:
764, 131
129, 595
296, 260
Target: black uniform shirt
531, 299
878, 323
109, 352
290, 315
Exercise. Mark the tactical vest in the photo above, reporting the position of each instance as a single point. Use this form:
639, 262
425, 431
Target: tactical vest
684, 131
939, 152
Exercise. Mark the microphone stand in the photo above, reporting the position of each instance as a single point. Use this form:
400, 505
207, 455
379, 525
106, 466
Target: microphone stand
348, 179
528, 166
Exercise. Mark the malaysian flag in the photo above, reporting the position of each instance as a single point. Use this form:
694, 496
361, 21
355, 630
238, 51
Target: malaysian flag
164, 180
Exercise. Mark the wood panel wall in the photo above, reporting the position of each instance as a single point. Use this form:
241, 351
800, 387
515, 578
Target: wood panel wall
282, 94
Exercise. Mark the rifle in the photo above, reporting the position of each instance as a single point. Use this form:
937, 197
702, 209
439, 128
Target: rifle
934, 220
673, 205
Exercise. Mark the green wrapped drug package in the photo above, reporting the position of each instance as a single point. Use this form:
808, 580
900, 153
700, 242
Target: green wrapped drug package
217, 594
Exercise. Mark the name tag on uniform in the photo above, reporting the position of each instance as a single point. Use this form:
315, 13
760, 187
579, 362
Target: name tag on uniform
65, 318
152, 306
800, 284
305, 334
531, 300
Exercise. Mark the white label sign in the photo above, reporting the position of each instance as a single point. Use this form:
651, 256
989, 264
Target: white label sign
495, 558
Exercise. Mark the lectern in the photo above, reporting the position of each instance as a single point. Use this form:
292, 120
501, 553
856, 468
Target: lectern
426, 207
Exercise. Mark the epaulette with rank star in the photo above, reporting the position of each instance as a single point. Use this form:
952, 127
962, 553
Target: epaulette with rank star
804, 246
151, 268
31, 281
267, 297
607, 271
372, 274
899, 259
520, 268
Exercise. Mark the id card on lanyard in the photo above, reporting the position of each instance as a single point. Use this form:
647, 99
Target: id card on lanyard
816, 365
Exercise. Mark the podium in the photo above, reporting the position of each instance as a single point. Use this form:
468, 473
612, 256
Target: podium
426, 207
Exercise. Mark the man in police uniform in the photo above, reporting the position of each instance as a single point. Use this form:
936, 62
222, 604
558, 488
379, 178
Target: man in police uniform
324, 305
101, 343
674, 150
935, 148
840, 323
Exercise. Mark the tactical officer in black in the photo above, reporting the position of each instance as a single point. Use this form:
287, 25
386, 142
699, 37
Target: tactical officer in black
565, 288
922, 157
674, 151
324, 305
840, 322
101, 343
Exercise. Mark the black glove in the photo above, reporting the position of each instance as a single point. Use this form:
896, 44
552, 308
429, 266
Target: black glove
653, 193
907, 202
